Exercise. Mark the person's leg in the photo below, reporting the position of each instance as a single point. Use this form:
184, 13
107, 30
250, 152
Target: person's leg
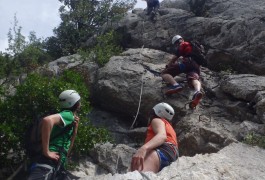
163, 159
193, 80
196, 85
151, 162
41, 173
148, 9
175, 86
169, 79
156, 6
168, 76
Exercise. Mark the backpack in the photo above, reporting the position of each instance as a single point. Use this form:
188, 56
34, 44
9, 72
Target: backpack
33, 143
198, 53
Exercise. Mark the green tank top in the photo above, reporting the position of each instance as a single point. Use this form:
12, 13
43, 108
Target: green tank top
63, 141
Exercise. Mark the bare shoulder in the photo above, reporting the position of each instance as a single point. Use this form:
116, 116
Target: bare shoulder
56, 118
158, 125
157, 121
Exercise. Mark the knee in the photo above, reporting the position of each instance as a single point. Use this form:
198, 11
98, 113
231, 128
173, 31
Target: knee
152, 162
165, 76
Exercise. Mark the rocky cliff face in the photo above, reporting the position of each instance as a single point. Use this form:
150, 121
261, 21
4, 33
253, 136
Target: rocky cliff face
234, 162
223, 117
233, 30
209, 136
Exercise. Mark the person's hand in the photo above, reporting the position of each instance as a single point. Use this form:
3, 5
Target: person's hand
52, 155
76, 121
180, 58
138, 160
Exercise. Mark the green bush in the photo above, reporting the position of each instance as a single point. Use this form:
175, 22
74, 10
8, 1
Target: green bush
32, 57
8, 66
38, 96
255, 140
107, 45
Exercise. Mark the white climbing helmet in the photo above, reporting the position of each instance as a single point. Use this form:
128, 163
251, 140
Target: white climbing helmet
68, 98
176, 38
164, 110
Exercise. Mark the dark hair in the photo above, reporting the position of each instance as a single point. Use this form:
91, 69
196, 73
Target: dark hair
74, 107
152, 115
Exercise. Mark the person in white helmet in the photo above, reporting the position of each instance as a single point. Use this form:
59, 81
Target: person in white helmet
58, 132
182, 63
161, 146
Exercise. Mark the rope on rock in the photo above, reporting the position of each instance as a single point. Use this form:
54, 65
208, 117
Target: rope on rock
117, 163
139, 104
142, 81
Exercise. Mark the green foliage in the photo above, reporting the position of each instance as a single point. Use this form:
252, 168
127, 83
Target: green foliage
255, 140
16, 41
4, 61
53, 47
31, 57
22, 55
88, 136
81, 19
107, 45
38, 96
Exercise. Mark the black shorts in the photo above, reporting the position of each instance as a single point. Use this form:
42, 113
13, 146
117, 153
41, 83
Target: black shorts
189, 67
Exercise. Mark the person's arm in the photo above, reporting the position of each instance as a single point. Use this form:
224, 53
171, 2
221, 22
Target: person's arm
76, 121
47, 124
159, 129
172, 61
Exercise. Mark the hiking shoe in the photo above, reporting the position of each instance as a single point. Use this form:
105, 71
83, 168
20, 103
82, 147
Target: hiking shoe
196, 99
174, 89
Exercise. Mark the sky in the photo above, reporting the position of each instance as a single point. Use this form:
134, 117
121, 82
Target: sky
40, 16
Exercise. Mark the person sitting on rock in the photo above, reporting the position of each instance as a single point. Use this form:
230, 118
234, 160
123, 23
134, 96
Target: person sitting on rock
161, 146
182, 63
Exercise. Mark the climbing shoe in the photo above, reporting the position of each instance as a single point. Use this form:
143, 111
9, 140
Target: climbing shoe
196, 99
174, 89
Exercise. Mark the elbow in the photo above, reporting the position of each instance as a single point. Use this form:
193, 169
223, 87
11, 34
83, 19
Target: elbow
163, 138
